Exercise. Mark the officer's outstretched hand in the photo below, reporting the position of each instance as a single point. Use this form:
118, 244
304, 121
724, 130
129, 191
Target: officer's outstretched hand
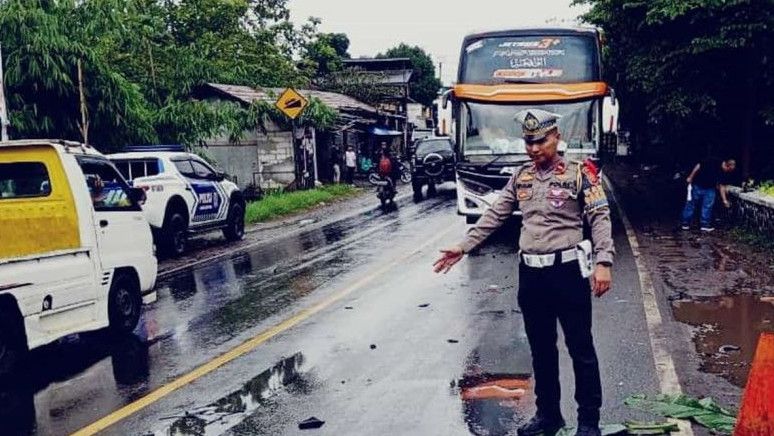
449, 258
600, 280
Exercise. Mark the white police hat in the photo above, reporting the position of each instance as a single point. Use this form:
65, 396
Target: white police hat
536, 123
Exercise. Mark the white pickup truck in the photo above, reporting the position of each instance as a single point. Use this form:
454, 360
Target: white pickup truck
76, 253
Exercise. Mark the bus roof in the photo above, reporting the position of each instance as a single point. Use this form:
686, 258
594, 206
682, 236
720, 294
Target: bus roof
527, 31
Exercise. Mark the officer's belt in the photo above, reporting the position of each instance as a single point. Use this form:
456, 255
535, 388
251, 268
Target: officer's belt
546, 260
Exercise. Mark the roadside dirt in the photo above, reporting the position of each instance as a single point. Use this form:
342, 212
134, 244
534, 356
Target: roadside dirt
713, 284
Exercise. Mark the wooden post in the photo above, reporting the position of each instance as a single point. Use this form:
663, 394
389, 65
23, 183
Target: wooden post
3, 108
84, 124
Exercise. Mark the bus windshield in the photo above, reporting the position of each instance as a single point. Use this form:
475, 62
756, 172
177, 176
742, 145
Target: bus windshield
530, 59
490, 129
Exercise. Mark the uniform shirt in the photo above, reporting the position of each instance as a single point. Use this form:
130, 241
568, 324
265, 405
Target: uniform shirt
553, 205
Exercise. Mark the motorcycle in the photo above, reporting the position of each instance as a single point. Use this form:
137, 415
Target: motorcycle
385, 189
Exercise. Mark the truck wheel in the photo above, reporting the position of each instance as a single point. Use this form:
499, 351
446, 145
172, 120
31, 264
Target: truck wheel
124, 303
431, 191
235, 227
11, 348
175, 234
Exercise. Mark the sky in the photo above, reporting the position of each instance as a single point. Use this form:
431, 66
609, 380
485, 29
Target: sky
436, 26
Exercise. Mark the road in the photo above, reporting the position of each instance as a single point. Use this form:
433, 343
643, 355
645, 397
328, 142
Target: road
346, 323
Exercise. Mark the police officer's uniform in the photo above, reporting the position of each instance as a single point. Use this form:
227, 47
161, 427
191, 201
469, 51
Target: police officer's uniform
551, 287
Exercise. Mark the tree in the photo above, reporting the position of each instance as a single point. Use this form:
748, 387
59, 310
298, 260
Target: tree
140, 61
424, 85
323, 54
692, 73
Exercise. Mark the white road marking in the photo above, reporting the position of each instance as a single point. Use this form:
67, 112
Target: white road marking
668, 381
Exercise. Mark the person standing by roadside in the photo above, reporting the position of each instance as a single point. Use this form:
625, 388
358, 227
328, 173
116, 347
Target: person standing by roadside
350, 159
336, 163
555, 265
709, 175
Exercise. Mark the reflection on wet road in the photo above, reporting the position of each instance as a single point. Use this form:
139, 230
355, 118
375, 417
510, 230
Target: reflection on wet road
200, 312
405, 352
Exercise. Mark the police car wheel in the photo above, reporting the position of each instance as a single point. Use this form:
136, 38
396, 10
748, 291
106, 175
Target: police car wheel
175, 234
235, 229
124, 303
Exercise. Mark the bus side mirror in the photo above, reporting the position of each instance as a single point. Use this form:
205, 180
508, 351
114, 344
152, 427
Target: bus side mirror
445, 98
613, 100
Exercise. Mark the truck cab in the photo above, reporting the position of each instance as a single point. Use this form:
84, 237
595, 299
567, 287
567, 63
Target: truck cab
76, 253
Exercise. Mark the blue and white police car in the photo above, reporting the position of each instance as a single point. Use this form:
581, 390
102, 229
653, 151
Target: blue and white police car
184, 195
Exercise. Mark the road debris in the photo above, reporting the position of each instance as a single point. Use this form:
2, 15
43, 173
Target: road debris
704, 412
725, 349
373, 346
311, 423
424, 305
452, 341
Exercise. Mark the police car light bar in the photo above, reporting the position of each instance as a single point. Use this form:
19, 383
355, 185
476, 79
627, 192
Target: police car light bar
151, 148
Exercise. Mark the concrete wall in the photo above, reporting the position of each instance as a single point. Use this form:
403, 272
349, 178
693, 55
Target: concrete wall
754, 211
265, 157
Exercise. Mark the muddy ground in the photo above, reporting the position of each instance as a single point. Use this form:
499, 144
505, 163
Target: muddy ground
711, 283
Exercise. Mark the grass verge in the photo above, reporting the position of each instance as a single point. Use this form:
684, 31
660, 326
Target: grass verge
286, 203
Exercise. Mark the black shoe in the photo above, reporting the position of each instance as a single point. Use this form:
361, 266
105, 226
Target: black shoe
540, 425
588, 430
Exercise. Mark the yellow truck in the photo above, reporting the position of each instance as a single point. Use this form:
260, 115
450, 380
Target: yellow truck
76, 253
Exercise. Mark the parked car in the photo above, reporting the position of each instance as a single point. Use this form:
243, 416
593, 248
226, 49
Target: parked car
433, 163
184, 195
76, 252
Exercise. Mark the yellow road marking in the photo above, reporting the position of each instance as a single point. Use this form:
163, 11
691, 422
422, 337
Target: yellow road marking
244, 348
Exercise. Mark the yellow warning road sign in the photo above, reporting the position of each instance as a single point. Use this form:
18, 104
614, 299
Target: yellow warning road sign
291, 103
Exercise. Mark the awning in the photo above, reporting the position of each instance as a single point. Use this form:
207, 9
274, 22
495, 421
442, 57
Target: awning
381, 131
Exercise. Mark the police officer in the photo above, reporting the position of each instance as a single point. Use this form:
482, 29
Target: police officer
553, 195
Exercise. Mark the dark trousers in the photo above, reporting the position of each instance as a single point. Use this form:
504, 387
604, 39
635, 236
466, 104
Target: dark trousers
560, 293
350, 175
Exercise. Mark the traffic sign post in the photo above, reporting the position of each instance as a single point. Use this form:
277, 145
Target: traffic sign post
292, 104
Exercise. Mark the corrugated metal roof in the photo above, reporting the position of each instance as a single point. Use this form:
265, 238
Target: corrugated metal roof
269, 95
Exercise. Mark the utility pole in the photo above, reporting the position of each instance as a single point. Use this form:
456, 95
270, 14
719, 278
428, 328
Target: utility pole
3, 108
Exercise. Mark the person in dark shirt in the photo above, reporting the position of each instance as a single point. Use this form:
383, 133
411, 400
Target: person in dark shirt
707, 176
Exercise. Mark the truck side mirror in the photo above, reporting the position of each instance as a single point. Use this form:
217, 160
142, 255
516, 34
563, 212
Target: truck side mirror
137, 195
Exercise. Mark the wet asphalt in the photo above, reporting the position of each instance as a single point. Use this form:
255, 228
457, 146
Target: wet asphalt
391, 348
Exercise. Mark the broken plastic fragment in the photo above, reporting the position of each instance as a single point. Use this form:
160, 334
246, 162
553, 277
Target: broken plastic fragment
729, 348
373, 346
310, 423
452, 341
424, 305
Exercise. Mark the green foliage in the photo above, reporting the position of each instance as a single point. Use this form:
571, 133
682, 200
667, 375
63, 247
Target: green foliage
323, 54
141, 61
424, 86
286, 203
705, 411
767, 188
693, 73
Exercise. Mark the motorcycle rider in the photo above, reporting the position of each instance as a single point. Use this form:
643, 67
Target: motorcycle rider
393, 172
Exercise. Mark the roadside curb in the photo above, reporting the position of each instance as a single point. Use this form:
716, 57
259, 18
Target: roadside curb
666, 373
400, 199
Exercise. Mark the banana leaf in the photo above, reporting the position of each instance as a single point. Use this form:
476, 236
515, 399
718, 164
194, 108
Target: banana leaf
650, 428
704, 412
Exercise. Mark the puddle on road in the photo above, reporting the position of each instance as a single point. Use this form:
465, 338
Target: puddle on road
494, 404
220, 416
727, 332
